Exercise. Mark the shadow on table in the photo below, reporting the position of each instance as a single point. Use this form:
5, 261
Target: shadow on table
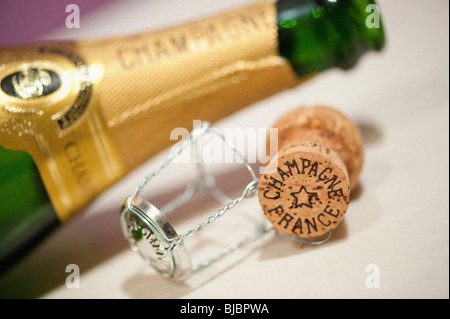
90, 240
100, 235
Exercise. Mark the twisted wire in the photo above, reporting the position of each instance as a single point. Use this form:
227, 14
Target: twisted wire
249, 191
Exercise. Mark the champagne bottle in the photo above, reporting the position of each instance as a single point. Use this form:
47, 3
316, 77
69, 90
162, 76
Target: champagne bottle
75, 117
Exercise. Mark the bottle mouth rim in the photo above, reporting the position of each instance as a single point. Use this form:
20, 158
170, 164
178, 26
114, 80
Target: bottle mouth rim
363, 25
343, 30
366, 14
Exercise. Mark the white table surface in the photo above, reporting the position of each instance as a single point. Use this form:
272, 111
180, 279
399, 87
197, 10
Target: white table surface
398, 221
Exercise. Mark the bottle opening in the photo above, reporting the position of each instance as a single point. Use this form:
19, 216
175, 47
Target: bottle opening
316, 35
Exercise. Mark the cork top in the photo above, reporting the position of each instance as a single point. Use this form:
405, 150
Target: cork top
326, 126
305, 189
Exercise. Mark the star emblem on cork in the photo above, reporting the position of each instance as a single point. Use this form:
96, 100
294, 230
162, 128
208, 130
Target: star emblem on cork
303, 198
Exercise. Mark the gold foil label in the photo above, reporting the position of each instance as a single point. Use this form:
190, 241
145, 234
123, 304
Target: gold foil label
48, 109
117, 100
205, 70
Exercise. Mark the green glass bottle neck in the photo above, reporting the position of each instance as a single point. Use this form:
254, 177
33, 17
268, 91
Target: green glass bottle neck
26, 214
315, 35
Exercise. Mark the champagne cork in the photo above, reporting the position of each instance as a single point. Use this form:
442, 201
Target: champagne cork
305, 189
